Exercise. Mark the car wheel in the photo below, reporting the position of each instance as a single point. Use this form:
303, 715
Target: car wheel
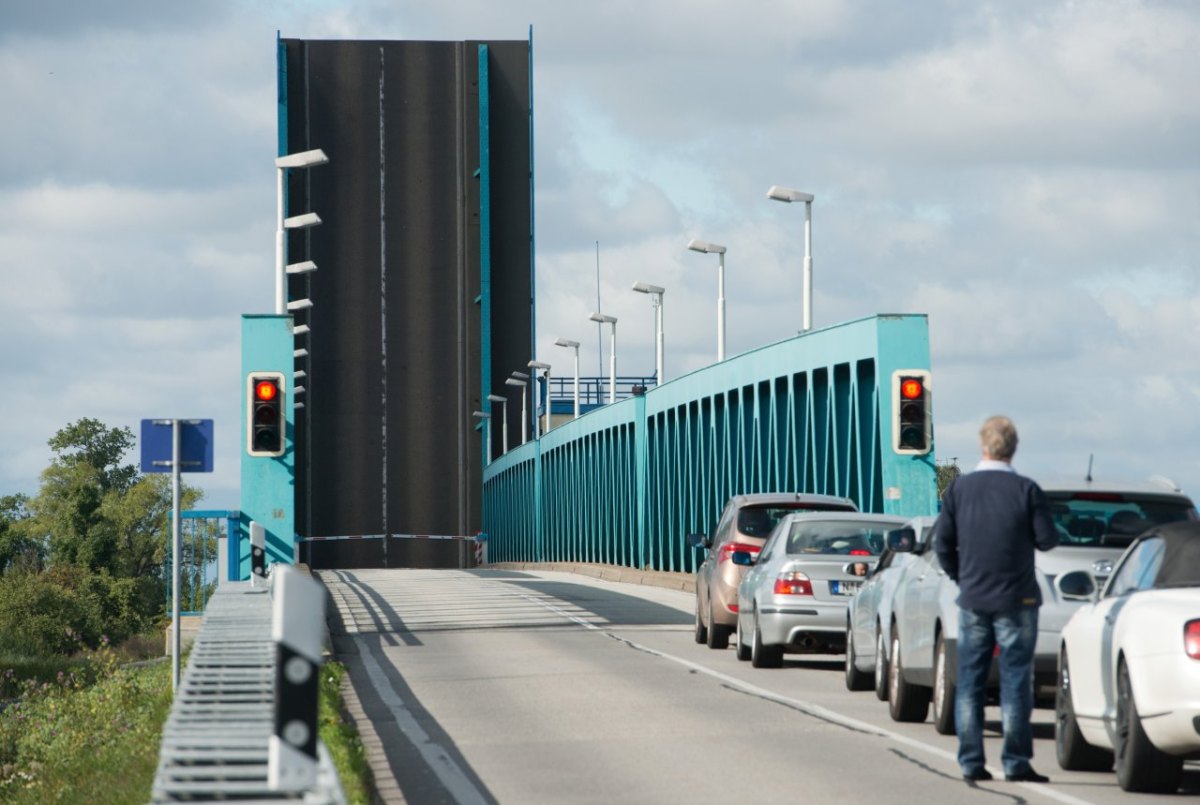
1074, 753
943, 691
906, 702
1141, 766
761, 655
740, 648
881, 665
718, 633
855, 679
701, 630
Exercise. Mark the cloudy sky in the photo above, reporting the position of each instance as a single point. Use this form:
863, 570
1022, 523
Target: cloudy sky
1025, 172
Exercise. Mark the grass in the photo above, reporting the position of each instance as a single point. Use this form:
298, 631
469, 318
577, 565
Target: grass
88, 728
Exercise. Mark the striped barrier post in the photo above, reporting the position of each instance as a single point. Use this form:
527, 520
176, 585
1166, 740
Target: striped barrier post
296, 626
258, 553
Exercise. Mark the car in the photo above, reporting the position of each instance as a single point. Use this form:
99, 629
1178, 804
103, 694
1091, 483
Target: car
794, 597
869, 616
1129, 664
921, 659
744, 525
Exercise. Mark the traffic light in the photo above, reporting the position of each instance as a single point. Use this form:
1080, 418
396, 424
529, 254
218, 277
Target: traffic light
912, 432
266, 421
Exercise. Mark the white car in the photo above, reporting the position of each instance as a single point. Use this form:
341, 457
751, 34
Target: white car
1129, 664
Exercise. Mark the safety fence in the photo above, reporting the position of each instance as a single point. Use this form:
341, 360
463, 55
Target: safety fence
625, 483
204, 538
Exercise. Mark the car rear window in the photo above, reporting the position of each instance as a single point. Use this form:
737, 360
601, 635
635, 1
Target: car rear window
837, 538
1098, 519
760, 521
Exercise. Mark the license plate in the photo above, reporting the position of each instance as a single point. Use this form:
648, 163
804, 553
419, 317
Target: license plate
844, 587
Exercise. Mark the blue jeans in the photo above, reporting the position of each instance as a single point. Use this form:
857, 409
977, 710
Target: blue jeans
1015, 632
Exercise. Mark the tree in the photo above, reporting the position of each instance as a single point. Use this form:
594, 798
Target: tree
946, 473
91, 443
17, 549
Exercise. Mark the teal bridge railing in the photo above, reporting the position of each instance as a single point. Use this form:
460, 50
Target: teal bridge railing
202, 534
626, 482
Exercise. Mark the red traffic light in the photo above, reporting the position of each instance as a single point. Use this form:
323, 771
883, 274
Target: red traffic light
266, 390
911, 388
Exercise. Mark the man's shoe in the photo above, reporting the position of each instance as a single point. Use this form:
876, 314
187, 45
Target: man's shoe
1027, 776
978, 776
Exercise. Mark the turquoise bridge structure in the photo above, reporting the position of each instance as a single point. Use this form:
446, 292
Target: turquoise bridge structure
625, 483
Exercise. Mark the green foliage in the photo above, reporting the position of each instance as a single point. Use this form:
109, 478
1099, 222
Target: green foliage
91, 443
85, 740
17, 548
341, 739
946, 473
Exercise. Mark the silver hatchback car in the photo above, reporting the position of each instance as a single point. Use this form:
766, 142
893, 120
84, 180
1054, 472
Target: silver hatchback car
795, 594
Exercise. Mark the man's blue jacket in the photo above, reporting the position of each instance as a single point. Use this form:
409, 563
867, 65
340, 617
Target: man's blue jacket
985, 537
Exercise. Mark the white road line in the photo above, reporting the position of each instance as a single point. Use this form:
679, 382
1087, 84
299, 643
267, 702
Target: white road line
815, 709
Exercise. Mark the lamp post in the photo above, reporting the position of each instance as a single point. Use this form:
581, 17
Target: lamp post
486, 424
566, 342
788, 195
713, 248
656, 298
521, 379
496, 398
538, 430
604, 318
303, 159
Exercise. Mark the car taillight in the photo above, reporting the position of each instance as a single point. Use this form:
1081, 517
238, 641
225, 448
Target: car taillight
860, 552
794, 583
728, 549
1191, 639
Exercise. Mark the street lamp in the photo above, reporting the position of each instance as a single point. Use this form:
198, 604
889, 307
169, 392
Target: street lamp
713, 248
521, 379
656, 298
304, 159
537, 430
496, 398
566, 342
604, 318
788, 195
486, 424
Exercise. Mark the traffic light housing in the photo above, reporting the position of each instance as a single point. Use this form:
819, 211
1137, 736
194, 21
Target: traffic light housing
266, 417
912, 419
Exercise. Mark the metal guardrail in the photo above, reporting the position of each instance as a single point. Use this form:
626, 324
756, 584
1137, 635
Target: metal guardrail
202, 534
216, 738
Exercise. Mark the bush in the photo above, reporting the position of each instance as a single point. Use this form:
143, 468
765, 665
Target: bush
39, 615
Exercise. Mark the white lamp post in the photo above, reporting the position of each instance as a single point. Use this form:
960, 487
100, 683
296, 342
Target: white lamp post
788, 195
521, 379
538, 430
304, 159
656, 298
496, 398
713, 248
604, 318
566, 342
487, 426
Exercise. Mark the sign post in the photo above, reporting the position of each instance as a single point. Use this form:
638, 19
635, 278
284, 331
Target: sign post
189, 445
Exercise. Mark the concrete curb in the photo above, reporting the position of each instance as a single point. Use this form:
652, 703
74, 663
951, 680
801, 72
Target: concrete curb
654, 578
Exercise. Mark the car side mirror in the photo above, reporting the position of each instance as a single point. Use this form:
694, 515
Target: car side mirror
742, 558
902, 540
1077, 585
699, 541
861, 569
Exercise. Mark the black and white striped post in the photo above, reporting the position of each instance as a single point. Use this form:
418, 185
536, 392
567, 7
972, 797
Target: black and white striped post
298, 616
258, 553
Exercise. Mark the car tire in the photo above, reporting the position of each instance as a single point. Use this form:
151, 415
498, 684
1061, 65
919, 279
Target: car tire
881, 665
943, 691
1141, 766
718, 633
740, 648
1073, 751
906, 702
701, 629
762, 655
855, 679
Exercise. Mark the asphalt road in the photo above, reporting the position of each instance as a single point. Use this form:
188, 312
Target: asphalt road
548, 687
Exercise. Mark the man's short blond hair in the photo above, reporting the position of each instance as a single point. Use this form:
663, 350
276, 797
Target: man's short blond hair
998, 438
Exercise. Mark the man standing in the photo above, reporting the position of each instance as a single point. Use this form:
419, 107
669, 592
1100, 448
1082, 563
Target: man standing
992, 520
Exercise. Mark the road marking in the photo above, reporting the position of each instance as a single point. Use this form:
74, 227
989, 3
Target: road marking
449, 773
815, 710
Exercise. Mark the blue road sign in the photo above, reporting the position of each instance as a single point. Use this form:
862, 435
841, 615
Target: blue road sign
195, 445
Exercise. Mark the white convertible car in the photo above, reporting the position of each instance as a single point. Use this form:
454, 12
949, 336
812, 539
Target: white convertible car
1129, 666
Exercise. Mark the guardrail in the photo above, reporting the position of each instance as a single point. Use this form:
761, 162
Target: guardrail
203, 535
